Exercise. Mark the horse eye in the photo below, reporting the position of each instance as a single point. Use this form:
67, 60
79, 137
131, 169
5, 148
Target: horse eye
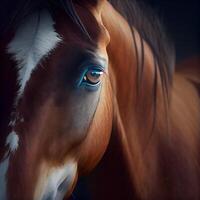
93, 76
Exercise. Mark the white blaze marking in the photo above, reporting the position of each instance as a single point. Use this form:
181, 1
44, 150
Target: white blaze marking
3, 170
50, 180
33, 40
11, 123
13, 141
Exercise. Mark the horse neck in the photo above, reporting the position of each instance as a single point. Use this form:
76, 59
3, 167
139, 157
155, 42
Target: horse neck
8, 88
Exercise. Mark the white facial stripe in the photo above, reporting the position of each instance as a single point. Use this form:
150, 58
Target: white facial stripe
3, 171
13, 141
50, 180
34, 40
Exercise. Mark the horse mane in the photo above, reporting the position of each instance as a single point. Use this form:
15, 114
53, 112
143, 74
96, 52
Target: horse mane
146, 22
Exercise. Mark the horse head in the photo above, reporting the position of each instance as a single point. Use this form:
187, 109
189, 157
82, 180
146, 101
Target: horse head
62, 113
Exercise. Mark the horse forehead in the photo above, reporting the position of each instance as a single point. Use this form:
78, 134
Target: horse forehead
71, 32
34, 39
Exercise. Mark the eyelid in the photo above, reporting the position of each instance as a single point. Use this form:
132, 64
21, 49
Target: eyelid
96, 67
95, 61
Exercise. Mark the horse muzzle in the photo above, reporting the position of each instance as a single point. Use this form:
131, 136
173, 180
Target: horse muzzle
56, 183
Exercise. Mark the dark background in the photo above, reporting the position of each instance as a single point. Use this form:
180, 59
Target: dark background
182, 22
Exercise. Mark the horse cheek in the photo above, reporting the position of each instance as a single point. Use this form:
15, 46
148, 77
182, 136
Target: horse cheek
96, 142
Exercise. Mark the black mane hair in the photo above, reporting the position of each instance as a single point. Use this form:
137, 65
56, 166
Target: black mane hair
150, 29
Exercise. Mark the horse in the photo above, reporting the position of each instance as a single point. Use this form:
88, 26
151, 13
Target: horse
87, 82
